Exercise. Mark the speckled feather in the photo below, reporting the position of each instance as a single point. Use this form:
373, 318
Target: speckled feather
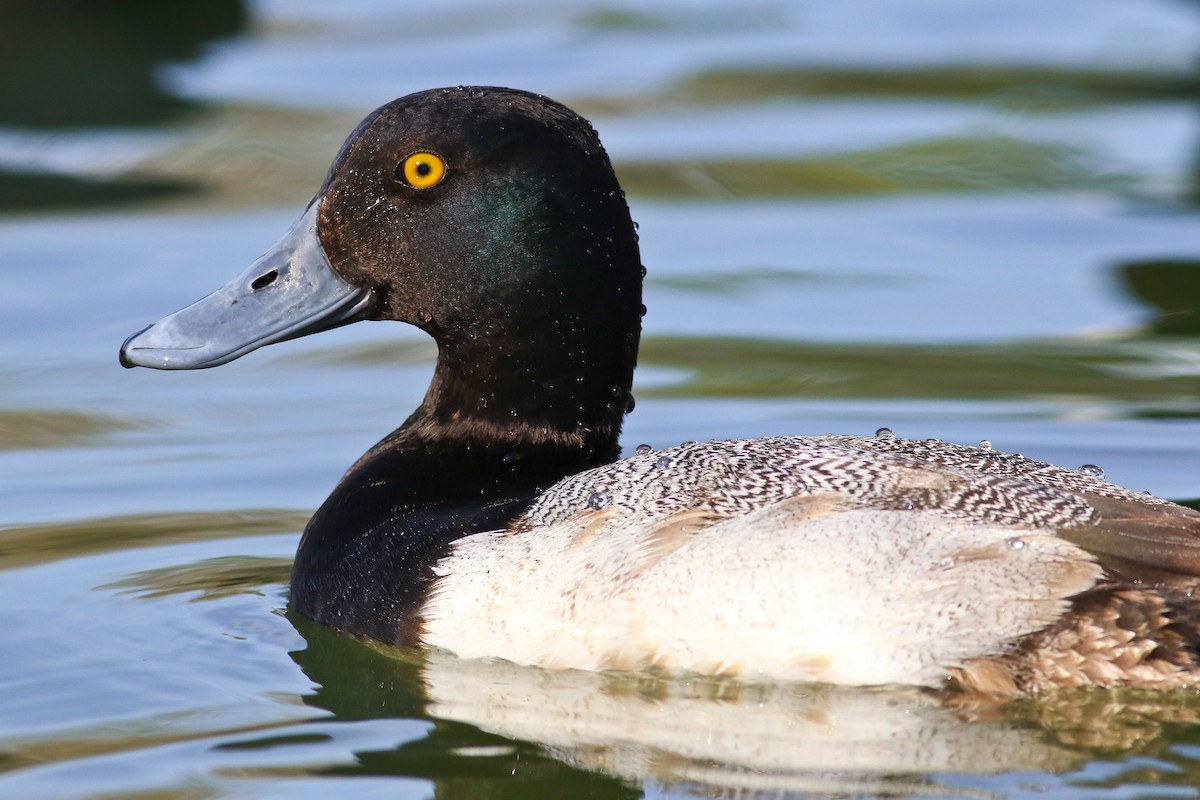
729, 478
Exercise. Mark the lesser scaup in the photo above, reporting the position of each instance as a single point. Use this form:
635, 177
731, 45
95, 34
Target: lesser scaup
498, 522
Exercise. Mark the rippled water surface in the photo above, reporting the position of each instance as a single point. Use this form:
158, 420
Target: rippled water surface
962, 221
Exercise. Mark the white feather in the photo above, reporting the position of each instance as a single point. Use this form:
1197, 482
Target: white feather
802, 589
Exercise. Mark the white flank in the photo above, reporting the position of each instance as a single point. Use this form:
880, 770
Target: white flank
803, 589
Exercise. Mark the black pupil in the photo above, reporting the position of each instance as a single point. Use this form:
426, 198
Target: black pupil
423, 168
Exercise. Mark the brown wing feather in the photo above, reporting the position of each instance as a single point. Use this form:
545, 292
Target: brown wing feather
1112, 636
1141, 543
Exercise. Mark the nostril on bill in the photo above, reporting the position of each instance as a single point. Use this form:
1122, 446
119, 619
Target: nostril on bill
265, 280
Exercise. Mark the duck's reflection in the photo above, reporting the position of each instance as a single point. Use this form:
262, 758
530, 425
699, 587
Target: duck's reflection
359, 682
715, 734
501, 730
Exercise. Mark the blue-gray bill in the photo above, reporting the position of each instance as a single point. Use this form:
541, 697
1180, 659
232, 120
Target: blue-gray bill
290, 291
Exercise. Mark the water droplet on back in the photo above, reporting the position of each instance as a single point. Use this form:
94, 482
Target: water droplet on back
663, 462
1092, 471
885, 433
597, 500
984, 444
643, 449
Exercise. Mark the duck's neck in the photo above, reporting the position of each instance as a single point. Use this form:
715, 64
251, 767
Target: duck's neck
534, 384
496, 427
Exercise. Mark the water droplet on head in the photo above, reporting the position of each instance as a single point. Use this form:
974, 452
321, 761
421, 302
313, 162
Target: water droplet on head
644, 270
663, 462
885, 433
642, 310
424, 317
630, 403
1092, 471
597, 500
643, 449
1015, 543
946, 563
984, 444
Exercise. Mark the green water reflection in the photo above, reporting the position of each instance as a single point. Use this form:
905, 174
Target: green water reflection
79, 64
1107, 372
22, 546
1171, 287
947, 165
1027, 87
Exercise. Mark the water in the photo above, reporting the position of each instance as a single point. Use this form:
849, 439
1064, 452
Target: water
960, 221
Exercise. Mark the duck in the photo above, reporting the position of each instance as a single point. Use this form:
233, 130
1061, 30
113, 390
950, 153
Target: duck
499, 521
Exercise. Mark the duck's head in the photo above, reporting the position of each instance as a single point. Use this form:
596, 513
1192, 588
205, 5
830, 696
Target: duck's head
490, 218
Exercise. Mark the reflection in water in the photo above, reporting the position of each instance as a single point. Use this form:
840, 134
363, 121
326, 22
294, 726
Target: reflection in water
1021, 86
358, 682
525, 732
79, 64
30, 545
26, 191
1169, 286
27, 429
953, 164
722, 735
1123, 374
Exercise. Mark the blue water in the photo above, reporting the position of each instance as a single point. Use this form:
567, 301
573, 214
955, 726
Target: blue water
840, 235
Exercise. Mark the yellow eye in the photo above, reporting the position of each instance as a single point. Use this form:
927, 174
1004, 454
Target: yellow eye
422, 170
